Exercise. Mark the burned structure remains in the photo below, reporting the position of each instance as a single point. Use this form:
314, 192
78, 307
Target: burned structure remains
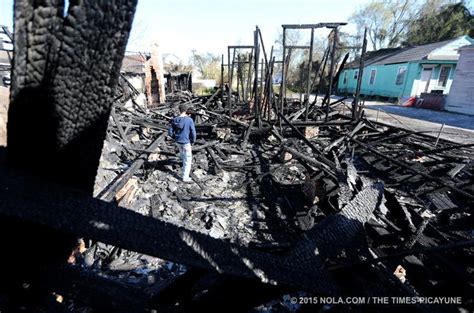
290, 198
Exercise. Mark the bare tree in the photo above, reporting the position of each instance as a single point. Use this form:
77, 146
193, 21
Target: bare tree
386, 21
207, 64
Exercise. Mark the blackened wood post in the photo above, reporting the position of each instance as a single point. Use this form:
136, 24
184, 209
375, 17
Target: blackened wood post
263, 69
270, 88
331, 71
355, 104
249, 77
228, 81
263, 47
231, 77
283, 76
222, 78
238, 77
308, 82
255, 87
341, 68
261, 94
242, 76
321, 71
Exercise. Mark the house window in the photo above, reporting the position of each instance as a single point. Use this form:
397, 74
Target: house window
443, 76
372, 76
401, 75
356, 74
345, 78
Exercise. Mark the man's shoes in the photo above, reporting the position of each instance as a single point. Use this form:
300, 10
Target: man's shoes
187, 180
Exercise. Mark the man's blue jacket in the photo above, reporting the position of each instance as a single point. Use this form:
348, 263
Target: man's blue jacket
182, 130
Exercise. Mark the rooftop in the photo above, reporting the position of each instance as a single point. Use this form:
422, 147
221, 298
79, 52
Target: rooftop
443, 50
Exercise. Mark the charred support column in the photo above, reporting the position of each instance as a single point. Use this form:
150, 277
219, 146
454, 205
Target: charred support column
268, 86
284, 61
264, 73
238, 76
230, 68
308, 82
64, 77
229, 91
283, 76
248, 92
222, 78
231, 81
60, 104
355, 104
255, 84
331, 71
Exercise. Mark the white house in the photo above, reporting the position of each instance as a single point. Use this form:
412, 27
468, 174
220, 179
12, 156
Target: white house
461, 96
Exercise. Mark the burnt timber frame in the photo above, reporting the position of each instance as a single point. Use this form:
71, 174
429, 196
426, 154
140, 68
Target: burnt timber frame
285, 62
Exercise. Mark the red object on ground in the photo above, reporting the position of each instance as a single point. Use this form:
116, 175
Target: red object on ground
410, 102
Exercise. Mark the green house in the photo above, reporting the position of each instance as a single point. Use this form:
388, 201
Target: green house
404, 72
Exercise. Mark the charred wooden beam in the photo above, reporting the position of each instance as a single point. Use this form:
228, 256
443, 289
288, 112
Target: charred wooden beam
312, 161
309, 143
109, 193
413, 170
59, 104
64, 77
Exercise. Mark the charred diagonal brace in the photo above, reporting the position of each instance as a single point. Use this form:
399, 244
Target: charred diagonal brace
430, 151
309, 143
110, 192
247, 134
228, 118
404, 253
73, 211
311, 161
212, 97
120, 129
204, 146
409, 168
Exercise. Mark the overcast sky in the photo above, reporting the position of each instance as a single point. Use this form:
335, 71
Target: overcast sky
181, 26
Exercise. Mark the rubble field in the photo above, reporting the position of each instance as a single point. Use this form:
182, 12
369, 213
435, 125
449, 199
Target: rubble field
294, 206
266, 187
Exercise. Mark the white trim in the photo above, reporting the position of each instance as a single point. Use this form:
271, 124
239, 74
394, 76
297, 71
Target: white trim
447, 77
428, 80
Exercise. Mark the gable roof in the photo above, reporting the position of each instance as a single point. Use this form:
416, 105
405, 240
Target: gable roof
432, 51
372, 57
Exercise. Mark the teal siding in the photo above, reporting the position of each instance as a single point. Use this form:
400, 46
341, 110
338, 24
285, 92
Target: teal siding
386, 77
384, 84
385, 81
350, 84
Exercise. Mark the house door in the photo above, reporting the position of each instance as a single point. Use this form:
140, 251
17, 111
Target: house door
424, 80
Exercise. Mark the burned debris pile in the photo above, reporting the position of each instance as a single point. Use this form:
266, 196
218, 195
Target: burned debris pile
268, 187
289, 197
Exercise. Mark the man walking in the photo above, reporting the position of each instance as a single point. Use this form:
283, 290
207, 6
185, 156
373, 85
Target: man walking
182, 130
